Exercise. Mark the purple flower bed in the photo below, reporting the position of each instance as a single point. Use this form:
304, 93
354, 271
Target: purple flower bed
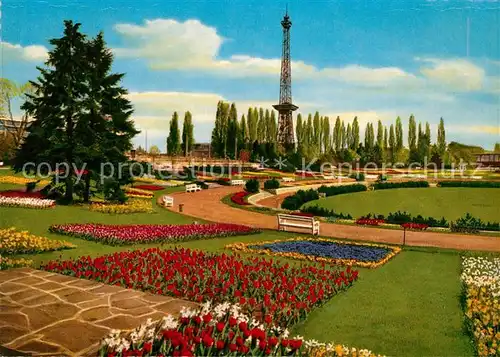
328, 250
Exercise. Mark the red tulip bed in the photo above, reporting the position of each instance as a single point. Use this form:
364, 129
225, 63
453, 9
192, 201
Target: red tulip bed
302, 214
21, 194
369, 221
265, 289
415, 226
145, 233
150, 187
239, 198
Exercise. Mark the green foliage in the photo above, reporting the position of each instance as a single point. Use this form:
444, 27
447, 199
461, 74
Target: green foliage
295, 201
460, 152
407, 184
358, 176
271, 184
339, 190
187, 134
404, 217
483, 184
252, 186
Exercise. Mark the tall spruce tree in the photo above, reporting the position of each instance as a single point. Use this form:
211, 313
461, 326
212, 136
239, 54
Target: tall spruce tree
355, 134
80, 113
187, 134
174, 136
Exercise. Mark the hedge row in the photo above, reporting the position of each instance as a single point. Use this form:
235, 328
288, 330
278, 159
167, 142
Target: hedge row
407, 184
324, 212
339, 190
470, 224
482, 184
295, 201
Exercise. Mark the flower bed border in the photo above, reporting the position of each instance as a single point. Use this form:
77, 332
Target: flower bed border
245, 248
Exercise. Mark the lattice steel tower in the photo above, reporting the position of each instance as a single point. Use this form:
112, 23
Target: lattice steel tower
285, 107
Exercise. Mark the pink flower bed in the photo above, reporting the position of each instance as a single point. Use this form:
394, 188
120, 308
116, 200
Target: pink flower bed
150, 187
369, 221
145, 233
415, 226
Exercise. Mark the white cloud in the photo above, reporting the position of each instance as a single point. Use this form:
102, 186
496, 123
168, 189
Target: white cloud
167, 44
32, 53
458, 75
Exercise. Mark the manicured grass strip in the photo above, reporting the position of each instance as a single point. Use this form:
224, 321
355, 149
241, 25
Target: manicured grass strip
409, 307
450, 203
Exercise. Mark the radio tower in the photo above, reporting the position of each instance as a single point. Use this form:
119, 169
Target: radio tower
286, 142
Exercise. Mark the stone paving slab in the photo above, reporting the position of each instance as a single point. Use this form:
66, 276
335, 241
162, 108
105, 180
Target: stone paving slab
49, 314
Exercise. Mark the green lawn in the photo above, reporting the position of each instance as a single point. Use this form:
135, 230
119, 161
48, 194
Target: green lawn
436, 202
409, 307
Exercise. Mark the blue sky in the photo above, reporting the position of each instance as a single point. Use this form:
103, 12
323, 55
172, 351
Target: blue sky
376, 60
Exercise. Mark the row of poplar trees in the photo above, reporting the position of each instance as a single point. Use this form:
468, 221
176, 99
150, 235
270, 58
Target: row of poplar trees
231, 135
177, 144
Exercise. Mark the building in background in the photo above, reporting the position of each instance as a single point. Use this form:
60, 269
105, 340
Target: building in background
488, 159
10, 126
201, 150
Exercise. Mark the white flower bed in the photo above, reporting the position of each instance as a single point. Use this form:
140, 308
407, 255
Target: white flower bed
482, 272
26, 202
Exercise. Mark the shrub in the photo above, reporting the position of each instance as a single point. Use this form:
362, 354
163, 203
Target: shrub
338, 190
295, 201
113, 191
30, 186
271, 184
358, 176
252, 186
482, 184
408, 184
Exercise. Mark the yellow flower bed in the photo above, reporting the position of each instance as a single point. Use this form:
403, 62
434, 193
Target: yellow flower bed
481, 278
15, 180
131, 206
6, 263
246, 248
22, 242
138, 193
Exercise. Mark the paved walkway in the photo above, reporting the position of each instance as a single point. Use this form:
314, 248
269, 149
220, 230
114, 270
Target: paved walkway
51, 314
207, 205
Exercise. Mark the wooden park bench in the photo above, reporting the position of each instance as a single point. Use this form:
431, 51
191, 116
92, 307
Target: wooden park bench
289, 220
237, 182
168, 201
288, 179
193, 188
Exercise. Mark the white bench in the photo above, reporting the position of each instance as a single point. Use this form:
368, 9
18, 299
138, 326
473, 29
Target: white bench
288, 179
237, 182
168, 201
193, 188
289, 220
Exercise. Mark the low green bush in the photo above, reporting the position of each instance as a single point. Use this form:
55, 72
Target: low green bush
252, 186
358, 176
407, 184
482, 184
339, 190
405, 217
271, 184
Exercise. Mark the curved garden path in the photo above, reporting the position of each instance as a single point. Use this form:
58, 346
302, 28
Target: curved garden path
207, 205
